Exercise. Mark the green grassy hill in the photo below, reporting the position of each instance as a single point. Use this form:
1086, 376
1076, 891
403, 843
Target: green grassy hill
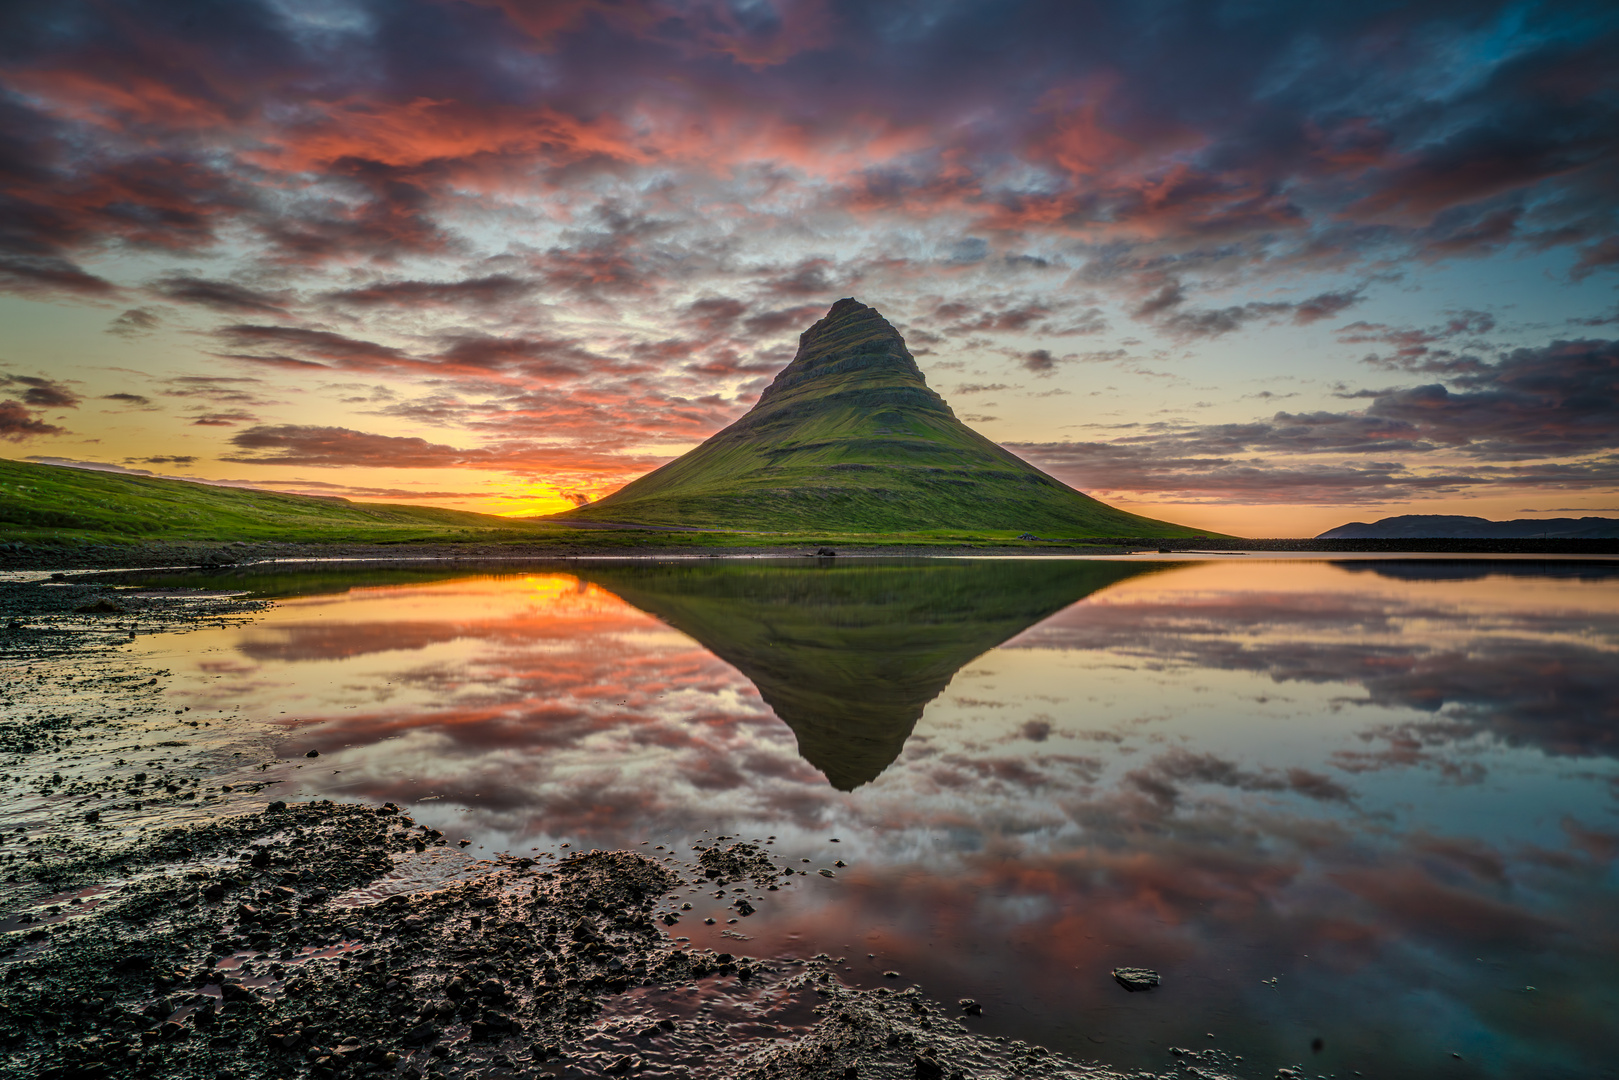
39, 502
849, 438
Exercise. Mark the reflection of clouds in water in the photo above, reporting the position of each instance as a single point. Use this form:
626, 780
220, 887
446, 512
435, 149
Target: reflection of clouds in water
982, 856
1158, 778
1547, 679
572, 719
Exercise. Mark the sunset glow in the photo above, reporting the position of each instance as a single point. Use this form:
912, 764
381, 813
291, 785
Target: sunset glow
1260, 269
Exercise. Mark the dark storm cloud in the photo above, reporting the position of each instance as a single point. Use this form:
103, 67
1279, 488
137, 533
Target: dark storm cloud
17, 422
1599, 256
1165, 308
315, 348
961, 318
780, 320
219, 295
488, 290
42, 393
21, 420
133, 323
1560, 400
1145, 467
293, 444
1136, 133
467, 355
1325, 305
337, 447
217, 389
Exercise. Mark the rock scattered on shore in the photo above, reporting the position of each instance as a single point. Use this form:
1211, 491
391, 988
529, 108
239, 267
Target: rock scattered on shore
1135, 979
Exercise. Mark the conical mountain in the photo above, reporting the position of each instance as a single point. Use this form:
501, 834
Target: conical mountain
849, 653
849, 438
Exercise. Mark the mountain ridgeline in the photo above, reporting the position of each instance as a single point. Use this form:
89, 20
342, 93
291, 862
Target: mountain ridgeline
1449, 526
850, 439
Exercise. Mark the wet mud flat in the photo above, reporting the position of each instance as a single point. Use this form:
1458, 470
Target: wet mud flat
250, 947
163, 914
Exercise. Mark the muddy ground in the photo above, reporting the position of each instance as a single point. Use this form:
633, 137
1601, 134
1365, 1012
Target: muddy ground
163, 914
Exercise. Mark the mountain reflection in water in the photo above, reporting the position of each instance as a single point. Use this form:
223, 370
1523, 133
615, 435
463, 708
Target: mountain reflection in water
848, 654
1388, 785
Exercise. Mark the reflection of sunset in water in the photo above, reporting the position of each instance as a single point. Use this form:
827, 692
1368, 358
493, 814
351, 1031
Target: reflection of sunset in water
1388, 786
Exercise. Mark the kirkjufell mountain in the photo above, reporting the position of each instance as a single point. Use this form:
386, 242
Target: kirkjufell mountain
849, 438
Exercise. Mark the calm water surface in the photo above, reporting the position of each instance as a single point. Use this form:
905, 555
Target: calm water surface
1368, 806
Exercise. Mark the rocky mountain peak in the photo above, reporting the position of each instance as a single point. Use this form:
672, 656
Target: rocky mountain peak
851, 339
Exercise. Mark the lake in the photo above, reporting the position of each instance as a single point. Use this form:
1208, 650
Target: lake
1360, 815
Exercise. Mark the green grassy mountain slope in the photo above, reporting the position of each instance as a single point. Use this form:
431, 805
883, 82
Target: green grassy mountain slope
849, 654
849, 438
42, 501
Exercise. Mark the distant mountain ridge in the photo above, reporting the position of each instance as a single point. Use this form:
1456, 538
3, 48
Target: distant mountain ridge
1439, 526
850, 438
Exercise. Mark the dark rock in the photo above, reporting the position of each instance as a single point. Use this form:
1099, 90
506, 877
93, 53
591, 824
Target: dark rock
313, 753
927, 1067
1134, 978
971, 1007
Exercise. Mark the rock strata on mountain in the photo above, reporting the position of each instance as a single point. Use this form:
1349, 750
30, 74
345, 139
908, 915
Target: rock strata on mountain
850, 438
1441, 526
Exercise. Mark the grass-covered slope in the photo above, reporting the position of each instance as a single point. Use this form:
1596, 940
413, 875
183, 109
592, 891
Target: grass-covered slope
850, 438
51, 501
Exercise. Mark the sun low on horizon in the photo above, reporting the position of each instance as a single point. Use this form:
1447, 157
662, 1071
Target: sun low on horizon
1260, 269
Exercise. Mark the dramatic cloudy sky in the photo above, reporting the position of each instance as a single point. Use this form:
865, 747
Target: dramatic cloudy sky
1259, 267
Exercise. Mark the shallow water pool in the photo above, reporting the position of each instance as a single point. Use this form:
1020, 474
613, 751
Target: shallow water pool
1359, 815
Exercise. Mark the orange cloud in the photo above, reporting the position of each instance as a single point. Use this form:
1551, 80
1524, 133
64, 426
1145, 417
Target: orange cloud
427, 129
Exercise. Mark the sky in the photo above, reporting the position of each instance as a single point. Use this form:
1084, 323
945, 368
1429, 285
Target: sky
1261, 268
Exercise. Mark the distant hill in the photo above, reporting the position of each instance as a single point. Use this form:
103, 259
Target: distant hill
43, 501
849, 438
1437, 526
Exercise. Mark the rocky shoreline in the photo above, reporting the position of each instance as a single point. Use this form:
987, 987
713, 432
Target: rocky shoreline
164, 915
